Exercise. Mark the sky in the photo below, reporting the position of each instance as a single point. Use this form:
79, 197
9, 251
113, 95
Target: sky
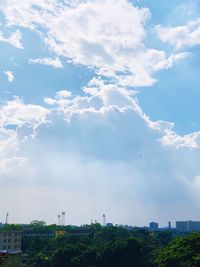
99, 110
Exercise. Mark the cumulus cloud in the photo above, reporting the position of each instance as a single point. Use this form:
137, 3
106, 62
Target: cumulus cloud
181, 36
189, 140
55, 63
97, 146
17, 117
18, 122
63, 94
9, 75
49, 101
102, 98
86, 33
14, 39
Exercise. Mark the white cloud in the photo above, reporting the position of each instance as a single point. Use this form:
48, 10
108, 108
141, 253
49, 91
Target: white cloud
97, 146
16, 114
49, 101
181, 36
56, 63
14, 39
9, 75
87, 34
63, 94
190, 141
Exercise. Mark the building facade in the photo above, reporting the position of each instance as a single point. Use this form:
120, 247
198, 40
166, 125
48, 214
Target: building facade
188, 226
153, 225
46, 234
10, 240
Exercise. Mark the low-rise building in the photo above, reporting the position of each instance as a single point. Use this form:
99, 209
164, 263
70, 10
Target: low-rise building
38, 233
78, 232
10, 240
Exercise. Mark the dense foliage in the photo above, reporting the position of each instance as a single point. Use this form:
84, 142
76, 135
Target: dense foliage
184, 252
113, 247
101, 247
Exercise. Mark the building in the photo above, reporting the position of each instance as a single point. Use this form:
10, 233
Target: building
34, 233
10, 240
153, 226
78, 232
188, 226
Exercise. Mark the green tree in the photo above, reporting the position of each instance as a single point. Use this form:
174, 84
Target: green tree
121, 253
184, 252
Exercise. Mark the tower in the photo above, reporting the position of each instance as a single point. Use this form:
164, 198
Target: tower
6, 220
63, 218
104, 220
59, 219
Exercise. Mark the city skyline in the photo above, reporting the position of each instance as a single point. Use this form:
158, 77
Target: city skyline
99, 110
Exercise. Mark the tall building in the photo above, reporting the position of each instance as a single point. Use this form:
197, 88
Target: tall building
188, 226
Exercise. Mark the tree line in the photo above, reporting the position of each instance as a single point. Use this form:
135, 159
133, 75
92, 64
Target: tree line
114, 247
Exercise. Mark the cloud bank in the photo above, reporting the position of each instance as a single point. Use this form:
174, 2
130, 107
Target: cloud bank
99, 147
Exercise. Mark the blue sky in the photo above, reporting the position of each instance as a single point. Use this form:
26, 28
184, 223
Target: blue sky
99, 110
